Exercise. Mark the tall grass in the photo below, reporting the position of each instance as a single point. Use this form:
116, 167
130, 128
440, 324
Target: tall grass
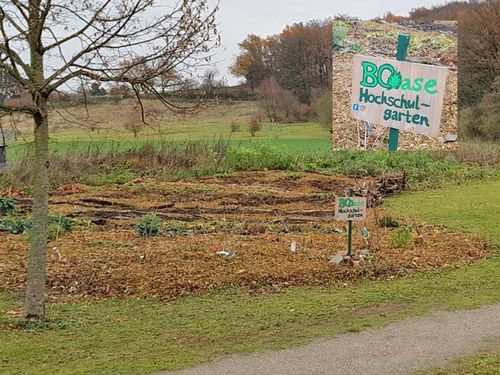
175, 160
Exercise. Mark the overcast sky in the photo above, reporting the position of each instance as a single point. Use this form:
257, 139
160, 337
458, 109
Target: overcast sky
238, 18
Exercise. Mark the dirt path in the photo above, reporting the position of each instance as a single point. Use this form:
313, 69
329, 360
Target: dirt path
400, 348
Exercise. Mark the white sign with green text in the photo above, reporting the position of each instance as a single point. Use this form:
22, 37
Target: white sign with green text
398, 94
350, 208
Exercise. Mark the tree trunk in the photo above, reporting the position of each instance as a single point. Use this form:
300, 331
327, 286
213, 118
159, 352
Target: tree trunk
34, 307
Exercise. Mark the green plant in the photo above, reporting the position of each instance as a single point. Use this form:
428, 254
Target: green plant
7, 205
148, 226
175, 228
387, 222
402, 238
59, 225
340, 32
17, 225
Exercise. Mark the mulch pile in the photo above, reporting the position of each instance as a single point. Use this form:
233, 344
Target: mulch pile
255, 215
431, 43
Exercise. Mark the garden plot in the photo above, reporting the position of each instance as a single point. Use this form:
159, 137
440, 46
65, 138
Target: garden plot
221, 232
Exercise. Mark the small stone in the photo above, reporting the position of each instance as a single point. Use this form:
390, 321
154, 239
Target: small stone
355, 263
294, 247
450, 138
336, 259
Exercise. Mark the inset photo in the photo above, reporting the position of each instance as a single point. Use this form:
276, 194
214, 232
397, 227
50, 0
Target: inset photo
394, 84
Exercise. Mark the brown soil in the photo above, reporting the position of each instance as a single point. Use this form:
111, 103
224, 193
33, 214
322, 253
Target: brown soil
255, 214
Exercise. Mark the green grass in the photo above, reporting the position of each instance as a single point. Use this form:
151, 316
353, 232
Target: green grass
141, 336
485, 363
302, 147
473, 207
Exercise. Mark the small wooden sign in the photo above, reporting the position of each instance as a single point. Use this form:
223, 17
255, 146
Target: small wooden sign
398, 94
350, 208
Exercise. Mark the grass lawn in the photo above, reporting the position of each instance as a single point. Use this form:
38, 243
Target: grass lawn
142, 336
485, 363
472, 207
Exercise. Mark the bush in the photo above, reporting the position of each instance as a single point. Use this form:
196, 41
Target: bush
7, 205
235, 127
277, 103
255, 126
14, 225
148, 226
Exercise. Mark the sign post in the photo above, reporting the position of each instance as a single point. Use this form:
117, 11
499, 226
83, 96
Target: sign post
403, 43
350, 209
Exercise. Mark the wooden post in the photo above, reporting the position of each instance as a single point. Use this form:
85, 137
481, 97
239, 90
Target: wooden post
403, 43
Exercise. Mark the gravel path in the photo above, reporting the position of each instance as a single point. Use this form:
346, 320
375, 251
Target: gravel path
399, 348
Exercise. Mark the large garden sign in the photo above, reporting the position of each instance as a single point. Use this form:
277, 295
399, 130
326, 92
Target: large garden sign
398, 94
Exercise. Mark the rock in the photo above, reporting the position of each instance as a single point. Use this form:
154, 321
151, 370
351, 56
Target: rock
364, 252
336, 259
294, 247
355, 263
451, 138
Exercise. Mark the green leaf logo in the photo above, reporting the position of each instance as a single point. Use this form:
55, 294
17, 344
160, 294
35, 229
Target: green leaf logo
395, 80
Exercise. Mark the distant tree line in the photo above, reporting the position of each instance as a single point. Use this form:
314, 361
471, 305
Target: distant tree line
447, 12
291, 71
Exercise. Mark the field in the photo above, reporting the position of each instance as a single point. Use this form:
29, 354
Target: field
221, 277
103, 130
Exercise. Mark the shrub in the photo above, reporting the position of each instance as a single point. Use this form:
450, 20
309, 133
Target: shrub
7, 205
255, 125
402, 238
235, 127
148, 226
277, 103
14, 225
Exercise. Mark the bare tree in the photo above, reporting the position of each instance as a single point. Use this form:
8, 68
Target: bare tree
48, 44
276, 102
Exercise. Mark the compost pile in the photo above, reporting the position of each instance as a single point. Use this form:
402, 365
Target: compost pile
258, 230
430, 43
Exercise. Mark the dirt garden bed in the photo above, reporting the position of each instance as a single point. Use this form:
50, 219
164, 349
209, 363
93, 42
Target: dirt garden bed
257, 215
